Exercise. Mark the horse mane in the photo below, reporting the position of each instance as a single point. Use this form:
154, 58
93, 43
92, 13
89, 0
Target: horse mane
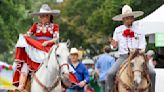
132, 55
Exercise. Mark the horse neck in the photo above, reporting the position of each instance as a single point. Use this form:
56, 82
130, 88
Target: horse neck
52, 67
48, 72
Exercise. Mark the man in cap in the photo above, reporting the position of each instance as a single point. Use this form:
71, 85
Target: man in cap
81, 72
127, 37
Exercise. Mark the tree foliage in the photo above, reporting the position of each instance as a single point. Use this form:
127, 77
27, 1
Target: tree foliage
86, 23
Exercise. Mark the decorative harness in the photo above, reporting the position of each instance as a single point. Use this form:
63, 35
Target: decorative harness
58, 79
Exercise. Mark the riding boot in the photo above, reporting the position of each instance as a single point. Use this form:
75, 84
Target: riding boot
22, 81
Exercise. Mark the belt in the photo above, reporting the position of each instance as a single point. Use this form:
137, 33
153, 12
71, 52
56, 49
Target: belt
43, 38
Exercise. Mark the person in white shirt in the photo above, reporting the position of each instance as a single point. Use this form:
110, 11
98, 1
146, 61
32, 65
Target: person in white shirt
127, 37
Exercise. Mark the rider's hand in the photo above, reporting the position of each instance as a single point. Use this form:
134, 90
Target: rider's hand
45, 43
82, 83
114, 43
26, 35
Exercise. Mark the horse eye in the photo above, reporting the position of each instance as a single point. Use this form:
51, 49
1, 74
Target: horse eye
57, 55
132, 64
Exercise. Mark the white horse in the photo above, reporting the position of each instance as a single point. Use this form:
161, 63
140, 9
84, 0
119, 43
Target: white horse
48, 78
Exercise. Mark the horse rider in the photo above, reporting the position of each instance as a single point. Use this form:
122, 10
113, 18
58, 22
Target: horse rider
127, 37
31, 52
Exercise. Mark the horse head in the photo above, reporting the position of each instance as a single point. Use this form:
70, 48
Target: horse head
137, 67
59, 54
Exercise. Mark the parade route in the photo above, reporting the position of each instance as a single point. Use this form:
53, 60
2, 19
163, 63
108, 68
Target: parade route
159, 80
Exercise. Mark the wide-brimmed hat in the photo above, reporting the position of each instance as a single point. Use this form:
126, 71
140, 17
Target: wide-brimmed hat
45, 9
150, 53
74, 51
126, 12
87, 61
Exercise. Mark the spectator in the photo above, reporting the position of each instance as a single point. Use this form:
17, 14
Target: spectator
81, 72
150, 55
103, 64
93, 85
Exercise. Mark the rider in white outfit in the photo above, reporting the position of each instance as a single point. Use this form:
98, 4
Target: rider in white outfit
127, 37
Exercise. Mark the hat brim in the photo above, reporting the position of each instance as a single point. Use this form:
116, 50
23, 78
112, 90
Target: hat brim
121, 16
87, 61
53, 12
74, 53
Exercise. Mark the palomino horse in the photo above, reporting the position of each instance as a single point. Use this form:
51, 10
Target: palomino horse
133, 75
48, 78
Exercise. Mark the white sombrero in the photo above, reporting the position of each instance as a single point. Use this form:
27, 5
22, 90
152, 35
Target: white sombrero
74, 51
127, 11
45, 9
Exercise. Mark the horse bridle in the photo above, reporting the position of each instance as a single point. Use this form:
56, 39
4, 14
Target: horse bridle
49, 89
145, 73
139, 70
60, 66
127, 87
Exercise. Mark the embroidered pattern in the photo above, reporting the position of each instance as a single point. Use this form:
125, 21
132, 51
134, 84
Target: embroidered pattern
44, 28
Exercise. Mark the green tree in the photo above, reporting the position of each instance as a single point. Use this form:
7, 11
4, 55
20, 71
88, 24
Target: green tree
86, 23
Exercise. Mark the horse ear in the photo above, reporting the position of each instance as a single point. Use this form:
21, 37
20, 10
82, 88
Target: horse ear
141, 51
68, 43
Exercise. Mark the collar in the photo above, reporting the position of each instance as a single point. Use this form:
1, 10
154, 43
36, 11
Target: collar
131, 27
75, 64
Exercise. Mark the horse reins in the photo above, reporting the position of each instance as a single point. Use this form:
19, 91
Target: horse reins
47, 89
60, 66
